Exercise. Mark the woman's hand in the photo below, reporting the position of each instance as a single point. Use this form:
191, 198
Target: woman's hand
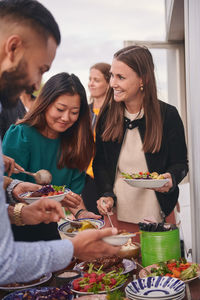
71, 200
165, 188
105, 204
88, 214
10, 165
24, 187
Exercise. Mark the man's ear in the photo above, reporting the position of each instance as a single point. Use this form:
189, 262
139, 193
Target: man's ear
13, 47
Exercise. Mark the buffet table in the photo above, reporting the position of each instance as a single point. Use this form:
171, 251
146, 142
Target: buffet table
194, 285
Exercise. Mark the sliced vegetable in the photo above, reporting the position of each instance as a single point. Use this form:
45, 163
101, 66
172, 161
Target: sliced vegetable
175, 268
189, 272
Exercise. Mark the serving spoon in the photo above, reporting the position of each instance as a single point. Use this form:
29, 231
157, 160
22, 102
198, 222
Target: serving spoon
41, 177
108, 216
146, 271
76, 224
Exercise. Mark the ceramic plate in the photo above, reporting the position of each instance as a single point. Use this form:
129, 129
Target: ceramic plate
19, 294
160, 287
64, 227
146, 183
178, 297
118, 239
42, 279
29, 199
129, 265
100, 292
142, 273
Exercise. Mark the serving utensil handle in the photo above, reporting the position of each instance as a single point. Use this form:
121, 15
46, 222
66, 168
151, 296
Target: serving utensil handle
25, 172
110, 220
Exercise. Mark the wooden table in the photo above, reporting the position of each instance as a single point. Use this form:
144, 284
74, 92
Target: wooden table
194, 285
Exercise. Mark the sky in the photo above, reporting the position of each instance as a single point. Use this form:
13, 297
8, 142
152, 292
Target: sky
93, 30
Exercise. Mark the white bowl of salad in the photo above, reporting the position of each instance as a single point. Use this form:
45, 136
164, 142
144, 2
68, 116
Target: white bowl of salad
54, 192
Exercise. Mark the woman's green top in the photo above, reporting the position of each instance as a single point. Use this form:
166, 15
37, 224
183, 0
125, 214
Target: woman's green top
34, 152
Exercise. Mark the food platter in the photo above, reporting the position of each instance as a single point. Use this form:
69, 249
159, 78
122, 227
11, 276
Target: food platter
143, 274
32, 291
99, 292
28, 199
146, 183
129, 265
18, 286
64, 227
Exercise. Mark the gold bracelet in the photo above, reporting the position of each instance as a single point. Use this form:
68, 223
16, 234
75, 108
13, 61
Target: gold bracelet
17, 214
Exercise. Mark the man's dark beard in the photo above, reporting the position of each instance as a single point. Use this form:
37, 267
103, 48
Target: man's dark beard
12, 83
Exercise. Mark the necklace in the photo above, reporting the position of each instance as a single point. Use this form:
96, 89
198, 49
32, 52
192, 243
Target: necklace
130, 124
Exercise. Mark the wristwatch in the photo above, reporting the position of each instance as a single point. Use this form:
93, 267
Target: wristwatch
10, 188
17, 214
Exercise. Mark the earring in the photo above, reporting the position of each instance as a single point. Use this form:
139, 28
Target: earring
141, 88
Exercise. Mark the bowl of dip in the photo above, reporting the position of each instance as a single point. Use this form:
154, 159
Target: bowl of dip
130, 250
65, 276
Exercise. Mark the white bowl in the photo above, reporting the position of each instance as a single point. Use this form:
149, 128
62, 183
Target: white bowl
30, 200
146, 183
118, 239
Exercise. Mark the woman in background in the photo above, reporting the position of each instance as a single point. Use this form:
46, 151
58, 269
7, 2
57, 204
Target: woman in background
137, 132
98, 85
54, 135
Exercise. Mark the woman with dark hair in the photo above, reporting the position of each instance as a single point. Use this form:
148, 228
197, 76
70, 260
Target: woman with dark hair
54, 135
137, 132
98, 86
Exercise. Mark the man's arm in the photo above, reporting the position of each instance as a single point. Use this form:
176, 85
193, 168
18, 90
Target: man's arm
44, 210
22, 262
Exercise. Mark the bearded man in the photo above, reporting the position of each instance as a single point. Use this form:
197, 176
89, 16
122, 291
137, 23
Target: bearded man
29, 37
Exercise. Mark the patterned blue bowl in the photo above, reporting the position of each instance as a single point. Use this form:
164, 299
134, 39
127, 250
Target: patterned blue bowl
64, 227
160, 287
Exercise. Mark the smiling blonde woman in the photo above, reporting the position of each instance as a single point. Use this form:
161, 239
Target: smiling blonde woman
137, 132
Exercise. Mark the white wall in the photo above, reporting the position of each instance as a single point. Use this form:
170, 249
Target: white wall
192, 54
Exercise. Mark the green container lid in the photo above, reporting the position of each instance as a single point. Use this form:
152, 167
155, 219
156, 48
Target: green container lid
159, 246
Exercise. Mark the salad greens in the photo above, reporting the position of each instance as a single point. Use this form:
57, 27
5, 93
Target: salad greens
59, 188
175, 268
96, 281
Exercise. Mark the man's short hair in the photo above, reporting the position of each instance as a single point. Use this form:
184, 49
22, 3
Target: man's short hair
33, 14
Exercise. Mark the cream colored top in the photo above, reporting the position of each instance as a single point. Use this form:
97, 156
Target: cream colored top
134, 204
